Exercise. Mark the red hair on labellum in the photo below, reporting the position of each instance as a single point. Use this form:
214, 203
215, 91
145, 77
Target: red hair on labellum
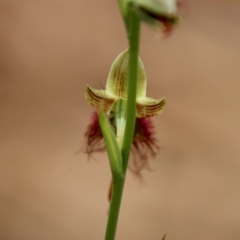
93, 136
144, 145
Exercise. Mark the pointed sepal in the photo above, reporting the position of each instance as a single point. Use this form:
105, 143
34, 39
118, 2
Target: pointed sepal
98, 99
149, 107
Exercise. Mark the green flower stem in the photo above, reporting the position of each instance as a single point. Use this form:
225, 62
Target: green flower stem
122, 10
133, 37
124, 6
117, 190
118, 183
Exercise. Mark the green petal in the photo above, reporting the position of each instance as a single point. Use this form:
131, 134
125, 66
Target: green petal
149, 107
99, 99
118, 77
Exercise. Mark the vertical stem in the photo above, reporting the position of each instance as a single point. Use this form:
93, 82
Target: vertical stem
118, 183
115, 204
133, 37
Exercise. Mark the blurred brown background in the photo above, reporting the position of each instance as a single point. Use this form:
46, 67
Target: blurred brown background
49, 51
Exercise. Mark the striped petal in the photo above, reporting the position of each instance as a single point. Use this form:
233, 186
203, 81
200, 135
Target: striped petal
149, 107
99, 99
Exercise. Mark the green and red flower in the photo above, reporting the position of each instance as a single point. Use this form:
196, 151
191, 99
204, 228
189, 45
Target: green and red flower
113, 102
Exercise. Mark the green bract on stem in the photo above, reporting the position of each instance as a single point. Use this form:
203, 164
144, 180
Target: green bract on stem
112, 146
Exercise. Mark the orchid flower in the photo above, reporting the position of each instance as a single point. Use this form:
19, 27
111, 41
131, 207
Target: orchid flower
113, 101
161, 14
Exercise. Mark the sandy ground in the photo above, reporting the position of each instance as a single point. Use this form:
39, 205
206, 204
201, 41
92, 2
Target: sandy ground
49, 51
